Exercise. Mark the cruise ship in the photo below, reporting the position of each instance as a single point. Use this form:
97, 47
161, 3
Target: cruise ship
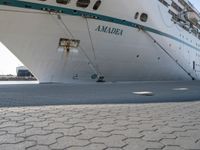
69, 41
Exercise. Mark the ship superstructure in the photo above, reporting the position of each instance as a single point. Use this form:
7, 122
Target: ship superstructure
103, 40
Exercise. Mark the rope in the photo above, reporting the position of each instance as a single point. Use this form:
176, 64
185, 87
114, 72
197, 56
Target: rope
93, 67
93, 50
90, 38
162, 48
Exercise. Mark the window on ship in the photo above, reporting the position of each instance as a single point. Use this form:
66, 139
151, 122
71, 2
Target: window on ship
164, 3
136, 15
83, 3
63, 1
194, 65
96, 5
144, 17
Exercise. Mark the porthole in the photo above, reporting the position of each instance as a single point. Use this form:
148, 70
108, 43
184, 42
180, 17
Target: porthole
136, 15
83, 3
96, 5
144, 17
194, 65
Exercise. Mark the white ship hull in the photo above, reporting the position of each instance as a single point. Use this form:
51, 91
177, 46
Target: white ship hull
33, 36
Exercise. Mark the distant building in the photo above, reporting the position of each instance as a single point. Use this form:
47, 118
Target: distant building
22, 71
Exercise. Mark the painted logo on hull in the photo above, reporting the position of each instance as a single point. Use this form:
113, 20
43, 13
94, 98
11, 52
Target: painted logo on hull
109, 30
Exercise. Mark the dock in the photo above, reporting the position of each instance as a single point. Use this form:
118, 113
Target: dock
101, 116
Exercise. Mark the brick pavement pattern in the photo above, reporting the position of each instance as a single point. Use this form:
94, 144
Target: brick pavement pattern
161, 126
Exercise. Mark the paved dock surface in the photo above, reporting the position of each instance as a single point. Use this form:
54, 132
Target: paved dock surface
123, 116
166, 126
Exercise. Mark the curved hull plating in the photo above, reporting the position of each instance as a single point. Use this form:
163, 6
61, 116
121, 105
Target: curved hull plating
116, 51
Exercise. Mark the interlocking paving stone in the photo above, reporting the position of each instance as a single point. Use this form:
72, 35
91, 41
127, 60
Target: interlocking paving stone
111, 141
109, 120
10, 139
91, 125
16, 130
57, 125
172, 148
77, 121
45, 139
41, 124
110, 128
59, 119
195, 134
166, 126
139, 144
66, 142
2, 132
89, 134
19, 146
129, 133
113, 148
123, 123
74, 131
10, 124
2, 120
16, 118
170, 130
33, 131
31, 119
90, 147
38, 147
155, 136
184, 142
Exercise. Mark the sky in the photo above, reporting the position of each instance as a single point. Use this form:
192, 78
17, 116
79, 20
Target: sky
8, 62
